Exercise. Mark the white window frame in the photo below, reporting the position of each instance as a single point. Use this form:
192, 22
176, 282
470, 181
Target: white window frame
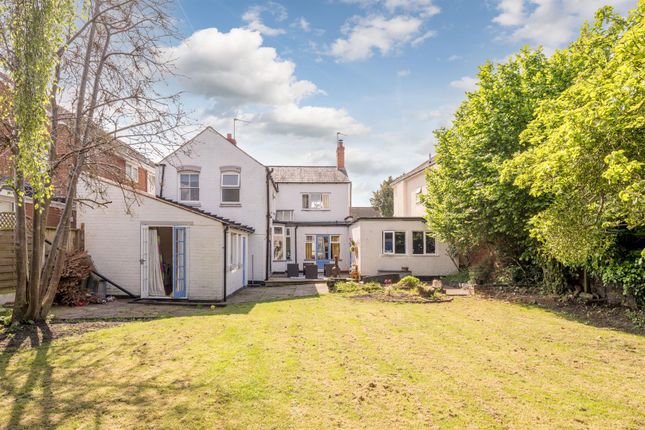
237, 186
152, 183
189, 172
333, 242
324, 201
130, 170
426, 235
310, 238
394, 233
417, 194
279, 237
289, 212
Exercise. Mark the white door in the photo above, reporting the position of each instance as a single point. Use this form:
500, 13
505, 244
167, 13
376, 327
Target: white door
144, 261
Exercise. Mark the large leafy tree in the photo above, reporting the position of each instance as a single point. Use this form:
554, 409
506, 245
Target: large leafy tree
586, 156
472, 201
383, 199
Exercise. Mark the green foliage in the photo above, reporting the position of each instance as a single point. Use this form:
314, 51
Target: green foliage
383, 198
546, 159
627, 273
460, 277
637, 317
586, 147
36, 31
351, 287
409, 282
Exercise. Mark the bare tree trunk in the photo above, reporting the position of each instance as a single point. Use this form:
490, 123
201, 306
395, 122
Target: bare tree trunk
21, 252
33, 309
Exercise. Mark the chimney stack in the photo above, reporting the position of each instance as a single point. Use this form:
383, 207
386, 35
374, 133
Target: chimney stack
229, 137
340, 154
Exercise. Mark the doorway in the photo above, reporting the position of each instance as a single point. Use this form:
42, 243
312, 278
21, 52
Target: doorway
163, 262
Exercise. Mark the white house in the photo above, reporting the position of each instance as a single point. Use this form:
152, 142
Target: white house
218, 220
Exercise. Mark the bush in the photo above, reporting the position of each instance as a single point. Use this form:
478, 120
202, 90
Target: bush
627, 274
409, 282
350, 287
460, 277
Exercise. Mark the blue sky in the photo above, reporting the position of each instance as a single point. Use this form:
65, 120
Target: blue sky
384, 72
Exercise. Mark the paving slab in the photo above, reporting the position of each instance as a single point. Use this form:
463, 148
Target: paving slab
123, 308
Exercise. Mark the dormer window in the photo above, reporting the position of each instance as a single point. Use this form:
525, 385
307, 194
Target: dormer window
189, 186
230, 187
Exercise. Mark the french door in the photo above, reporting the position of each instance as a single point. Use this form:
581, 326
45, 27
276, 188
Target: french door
179, 261
323, 250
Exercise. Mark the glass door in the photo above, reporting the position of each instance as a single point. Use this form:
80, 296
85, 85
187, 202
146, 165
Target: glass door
323, 250
179, 262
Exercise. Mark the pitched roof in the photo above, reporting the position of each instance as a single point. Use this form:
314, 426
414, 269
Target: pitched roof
198, 211
309, 174
364, 212
421, 167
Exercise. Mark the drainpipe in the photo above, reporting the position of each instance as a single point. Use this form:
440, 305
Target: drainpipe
268, 247
163, 174
225, 259
295, 242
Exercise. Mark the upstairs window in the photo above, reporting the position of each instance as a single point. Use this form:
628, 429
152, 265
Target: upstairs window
152, 184
132, 172
284, 215
422, 243
418, 196
230, 187
317, 201
393, 242
189, 186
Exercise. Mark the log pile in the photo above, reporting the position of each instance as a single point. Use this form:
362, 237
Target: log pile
72, 288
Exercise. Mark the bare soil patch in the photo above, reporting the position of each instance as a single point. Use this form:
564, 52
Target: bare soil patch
598, 314
32, 336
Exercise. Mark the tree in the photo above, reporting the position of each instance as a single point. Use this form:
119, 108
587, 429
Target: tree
383, 199
586, 155
104, 97
472, 200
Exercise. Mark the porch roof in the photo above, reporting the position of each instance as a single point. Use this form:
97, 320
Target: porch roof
229, 222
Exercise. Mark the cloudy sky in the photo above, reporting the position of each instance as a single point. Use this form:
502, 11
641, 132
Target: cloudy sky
384, 72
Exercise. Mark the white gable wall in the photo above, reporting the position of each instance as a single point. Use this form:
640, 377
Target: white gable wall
113, 239
208, 153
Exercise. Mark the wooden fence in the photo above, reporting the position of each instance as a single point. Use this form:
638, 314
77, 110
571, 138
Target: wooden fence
7, 248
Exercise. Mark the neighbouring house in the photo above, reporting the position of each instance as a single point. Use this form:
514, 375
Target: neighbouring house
219, 220
408, 189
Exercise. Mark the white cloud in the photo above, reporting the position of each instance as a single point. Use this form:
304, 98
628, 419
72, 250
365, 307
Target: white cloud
314, 121
388, 25
253, 18
236, 69
455, 58
427, 35
303, 24
403, 73
467, 83
551, 23
374, 33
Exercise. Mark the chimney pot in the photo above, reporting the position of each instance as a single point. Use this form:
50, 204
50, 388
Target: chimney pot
229, 137
340, 154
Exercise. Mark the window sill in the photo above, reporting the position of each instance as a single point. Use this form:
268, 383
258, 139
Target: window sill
230, 205
425, 255
394, 255
316, 210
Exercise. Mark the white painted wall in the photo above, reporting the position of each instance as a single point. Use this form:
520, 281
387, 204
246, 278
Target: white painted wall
289, 197
208, 152
405, 201
368, 235
113, 239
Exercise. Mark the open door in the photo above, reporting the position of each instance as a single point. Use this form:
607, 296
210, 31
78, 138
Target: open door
143, 261
179, 262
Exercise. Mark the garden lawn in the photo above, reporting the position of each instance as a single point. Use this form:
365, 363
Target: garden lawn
333, 362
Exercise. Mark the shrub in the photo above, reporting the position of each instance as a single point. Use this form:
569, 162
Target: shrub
460, 277
409, 282
349, 287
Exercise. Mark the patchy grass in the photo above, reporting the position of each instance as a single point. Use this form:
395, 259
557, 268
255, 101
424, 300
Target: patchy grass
333, 362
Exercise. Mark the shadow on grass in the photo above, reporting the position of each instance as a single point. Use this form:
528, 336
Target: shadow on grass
599, 316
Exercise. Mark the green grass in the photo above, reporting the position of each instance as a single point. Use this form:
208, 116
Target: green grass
333, 362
